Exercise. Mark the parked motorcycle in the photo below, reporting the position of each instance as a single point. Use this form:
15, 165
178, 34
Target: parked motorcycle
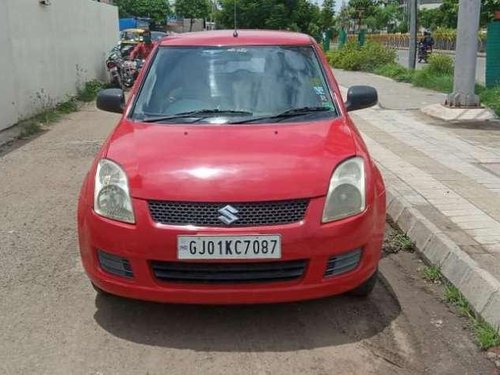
114, 64
122, 72
130, 72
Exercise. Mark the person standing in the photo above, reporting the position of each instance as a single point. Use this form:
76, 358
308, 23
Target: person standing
143, 49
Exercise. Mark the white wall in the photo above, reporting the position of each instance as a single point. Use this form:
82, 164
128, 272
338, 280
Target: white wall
47, 51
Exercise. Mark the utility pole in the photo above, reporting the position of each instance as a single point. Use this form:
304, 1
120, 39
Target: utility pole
412, 51
466, 56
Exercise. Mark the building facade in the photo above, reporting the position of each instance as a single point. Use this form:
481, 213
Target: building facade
40, 69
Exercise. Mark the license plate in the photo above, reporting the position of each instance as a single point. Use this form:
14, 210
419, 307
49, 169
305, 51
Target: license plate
229, 247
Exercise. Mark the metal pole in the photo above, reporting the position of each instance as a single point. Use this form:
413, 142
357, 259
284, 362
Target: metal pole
412, 50
466, 56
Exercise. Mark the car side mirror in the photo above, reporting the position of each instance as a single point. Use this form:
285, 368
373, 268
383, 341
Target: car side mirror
111, 100
359, 97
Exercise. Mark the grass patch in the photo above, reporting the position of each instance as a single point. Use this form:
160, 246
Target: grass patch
48, 117
432, 274
490, 97
395, 71
398, 241
69, 106
52, 113
486, 336
429, 79
441, 64
29, 128
89, 91
454, 297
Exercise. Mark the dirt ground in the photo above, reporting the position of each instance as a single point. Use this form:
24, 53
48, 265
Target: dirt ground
52, 322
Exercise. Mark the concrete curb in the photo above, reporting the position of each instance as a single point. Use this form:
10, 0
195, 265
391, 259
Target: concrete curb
480, 288
441, 112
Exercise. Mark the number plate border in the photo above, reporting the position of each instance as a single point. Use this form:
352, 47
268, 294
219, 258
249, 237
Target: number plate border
226, 236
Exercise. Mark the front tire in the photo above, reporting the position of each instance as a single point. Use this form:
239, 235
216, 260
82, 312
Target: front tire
365, 289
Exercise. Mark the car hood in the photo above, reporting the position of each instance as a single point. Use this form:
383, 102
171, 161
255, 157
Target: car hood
230, 163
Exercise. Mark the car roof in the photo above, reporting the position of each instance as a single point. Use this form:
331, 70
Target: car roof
245, 37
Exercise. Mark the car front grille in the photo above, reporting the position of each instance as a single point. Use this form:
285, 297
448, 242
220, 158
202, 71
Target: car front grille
343, 263
220, 273
209, 214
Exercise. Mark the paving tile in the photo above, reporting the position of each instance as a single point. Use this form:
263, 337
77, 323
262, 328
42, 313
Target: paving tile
454, 153
481, 224
488, 240
491, 232
493, 248
438, 173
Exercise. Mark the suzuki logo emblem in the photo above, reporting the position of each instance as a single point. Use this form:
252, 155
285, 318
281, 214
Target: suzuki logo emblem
228, 214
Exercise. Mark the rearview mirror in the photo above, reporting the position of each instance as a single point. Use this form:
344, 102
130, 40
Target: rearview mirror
359, 97
111, 100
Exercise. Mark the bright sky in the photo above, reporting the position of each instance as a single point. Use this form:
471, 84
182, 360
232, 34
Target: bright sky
338, 3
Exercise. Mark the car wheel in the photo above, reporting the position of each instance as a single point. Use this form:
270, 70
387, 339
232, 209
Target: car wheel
366, 288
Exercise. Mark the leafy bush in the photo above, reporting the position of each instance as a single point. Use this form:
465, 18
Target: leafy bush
441, 64
396, 72
366, 58
348, 57
445, 33
89, 91
71, 105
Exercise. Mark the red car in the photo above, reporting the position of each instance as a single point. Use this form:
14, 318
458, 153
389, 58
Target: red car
235, 175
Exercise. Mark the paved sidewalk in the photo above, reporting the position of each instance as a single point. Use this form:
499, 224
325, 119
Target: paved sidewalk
444, 185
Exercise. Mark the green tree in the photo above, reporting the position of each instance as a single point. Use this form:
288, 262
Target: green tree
395, 14
447, 14
192, 9
362, 9
488, 8
344, 18
157, 10
295, 15
306, 16
327, 12
429, 18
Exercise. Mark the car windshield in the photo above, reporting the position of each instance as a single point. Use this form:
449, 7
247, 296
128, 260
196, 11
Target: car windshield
234, 84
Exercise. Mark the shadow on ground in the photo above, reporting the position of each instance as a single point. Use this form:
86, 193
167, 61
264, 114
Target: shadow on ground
279, 327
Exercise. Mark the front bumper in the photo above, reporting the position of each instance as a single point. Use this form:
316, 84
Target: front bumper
308, 240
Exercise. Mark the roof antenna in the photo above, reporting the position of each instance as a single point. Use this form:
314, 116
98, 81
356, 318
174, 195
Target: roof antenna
235, 34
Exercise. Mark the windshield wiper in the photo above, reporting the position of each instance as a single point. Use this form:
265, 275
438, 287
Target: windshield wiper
199, 113
286, 114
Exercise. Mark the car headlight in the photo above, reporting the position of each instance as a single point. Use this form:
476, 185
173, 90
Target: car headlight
111, 193
346, 193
